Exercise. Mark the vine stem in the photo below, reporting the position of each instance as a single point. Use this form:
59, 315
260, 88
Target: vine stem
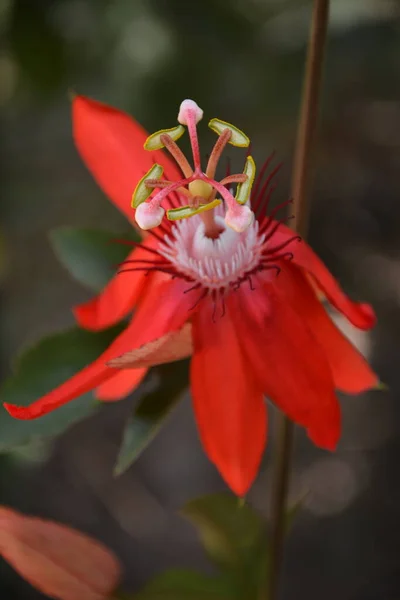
303, 160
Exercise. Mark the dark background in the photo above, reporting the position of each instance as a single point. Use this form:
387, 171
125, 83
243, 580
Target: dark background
242, 61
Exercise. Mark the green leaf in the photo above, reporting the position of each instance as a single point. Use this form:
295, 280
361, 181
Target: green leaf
37, 451
182, 584
151, 412
40, 369
229, 529
89, 255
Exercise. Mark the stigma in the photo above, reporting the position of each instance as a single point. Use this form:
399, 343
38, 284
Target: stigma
198, 190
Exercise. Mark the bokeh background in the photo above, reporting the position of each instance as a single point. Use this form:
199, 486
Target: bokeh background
242, 61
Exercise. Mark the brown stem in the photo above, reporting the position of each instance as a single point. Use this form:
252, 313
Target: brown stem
300, 187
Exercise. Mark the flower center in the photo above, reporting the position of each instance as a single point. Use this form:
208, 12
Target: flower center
198, 186
214, 264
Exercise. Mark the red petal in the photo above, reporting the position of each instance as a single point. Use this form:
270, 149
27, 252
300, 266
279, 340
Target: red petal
111, 144
173, 346
361, 315
89, 378
120, 385
289, 363
162, 311
351, 372
229, 406
57, 560
119, 296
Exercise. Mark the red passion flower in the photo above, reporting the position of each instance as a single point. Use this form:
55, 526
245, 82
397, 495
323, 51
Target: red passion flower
217, 280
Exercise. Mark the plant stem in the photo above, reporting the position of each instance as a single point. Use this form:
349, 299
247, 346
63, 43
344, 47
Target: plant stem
300, 186
309, 116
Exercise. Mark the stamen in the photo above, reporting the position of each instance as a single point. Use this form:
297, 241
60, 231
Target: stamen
157, 183
238, 138
183, 212
194, 141
141, 192
216, 152
161, 195
178, 155
156, 142
239, 178
244, 189
202, 187
150, 214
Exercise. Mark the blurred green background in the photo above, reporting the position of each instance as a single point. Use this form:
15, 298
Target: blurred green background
242, 61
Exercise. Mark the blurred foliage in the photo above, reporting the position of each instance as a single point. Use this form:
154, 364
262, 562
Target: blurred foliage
91, 258
236, 541
227, 527
38, 370
181, 584
152, 411
90, 255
